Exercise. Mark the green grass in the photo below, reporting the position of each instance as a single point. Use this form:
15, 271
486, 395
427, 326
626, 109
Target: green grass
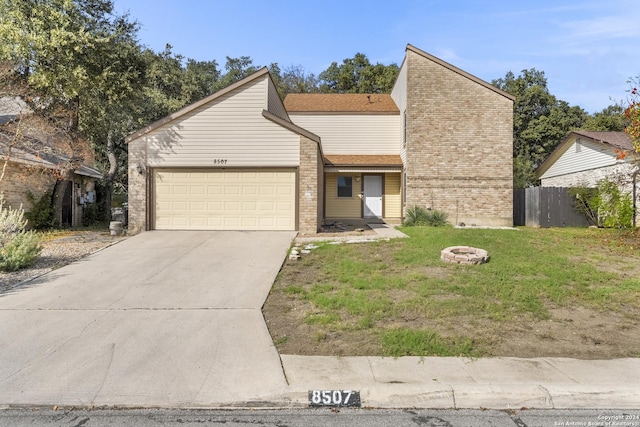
408, 342
395, 290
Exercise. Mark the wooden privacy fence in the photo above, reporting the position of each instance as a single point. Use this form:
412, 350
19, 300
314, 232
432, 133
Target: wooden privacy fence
546, 207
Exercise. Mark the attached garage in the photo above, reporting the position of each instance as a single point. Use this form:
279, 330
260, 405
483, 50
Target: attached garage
225, 199
231, 161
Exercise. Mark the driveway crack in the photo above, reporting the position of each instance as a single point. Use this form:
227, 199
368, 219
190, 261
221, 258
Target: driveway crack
59, 347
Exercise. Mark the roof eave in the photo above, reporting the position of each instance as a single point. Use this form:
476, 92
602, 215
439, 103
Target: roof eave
343, 113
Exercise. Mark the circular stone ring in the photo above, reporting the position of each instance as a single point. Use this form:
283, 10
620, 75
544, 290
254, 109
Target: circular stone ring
464, 255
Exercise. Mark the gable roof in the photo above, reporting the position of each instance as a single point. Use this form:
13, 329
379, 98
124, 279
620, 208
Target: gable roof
359, 103
616, 139
611, 139
460, 72
186, 110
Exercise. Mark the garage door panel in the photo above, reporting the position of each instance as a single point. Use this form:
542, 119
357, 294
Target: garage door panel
225, 199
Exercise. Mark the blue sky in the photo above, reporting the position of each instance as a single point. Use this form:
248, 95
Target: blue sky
588, 49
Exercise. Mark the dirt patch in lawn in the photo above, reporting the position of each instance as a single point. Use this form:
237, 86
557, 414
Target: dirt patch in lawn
577, 332
572, 329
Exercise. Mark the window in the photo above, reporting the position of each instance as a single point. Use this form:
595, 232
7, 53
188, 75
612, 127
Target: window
345, 186
404, 130
578, 146
404, 188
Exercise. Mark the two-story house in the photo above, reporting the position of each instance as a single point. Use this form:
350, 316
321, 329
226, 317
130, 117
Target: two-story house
241, 159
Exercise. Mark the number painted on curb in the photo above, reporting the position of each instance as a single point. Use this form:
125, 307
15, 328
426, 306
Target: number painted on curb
334, 398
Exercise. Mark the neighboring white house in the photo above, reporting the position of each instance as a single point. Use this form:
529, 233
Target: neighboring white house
586, 157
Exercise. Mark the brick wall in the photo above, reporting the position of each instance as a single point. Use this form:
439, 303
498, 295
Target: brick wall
18, 180
137, 187
309, 187
459, 145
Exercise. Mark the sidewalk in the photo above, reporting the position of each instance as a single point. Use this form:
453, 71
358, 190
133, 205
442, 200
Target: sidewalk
449, 382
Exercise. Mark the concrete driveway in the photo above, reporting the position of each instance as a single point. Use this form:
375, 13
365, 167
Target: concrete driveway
160, 319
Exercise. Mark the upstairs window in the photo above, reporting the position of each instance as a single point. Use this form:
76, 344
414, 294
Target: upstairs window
345, 186
404, 129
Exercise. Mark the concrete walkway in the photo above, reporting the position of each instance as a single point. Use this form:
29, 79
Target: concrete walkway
161, 319
382, 232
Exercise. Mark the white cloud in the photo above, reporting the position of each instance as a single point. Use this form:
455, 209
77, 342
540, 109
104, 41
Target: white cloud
601, 28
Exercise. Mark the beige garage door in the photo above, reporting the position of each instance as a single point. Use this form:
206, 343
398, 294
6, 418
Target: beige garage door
243, 199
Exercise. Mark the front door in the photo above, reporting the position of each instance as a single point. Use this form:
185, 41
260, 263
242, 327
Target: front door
67, 205
372, 196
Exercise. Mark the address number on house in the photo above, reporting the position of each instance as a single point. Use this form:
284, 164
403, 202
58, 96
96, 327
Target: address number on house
334, 398
220, 161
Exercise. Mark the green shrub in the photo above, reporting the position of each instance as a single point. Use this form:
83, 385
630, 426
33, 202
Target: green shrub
585, 203
419, 216
615, 208
606, 205
20, 251
42, 214
18, 248
92, 214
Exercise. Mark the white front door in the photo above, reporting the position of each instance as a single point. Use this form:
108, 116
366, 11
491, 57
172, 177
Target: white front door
372, 196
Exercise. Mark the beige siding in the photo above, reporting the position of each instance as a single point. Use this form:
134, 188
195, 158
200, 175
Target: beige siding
353, 134
230, 131
589, 156
399, 95
340, 207
392, 197
274, 103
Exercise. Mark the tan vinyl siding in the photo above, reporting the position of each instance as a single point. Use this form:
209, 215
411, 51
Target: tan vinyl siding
274, 103
341, 207
392, 197
399, 95
230, 131
571, 161
349, 134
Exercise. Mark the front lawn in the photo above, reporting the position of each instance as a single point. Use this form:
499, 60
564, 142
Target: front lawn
545, 292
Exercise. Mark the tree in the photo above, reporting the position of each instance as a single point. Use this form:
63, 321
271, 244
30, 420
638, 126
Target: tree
237, 69
632, 113
540, 120
25, 116
358, 75
293, 79
610, 118
80, 55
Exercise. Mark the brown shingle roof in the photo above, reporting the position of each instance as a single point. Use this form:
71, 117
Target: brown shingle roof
617, 139
341, 103
364, 160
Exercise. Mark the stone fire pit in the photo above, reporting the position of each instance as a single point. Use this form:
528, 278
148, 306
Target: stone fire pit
464, 255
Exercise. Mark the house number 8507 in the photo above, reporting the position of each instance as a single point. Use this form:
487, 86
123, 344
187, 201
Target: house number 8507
219, 161
334, 398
